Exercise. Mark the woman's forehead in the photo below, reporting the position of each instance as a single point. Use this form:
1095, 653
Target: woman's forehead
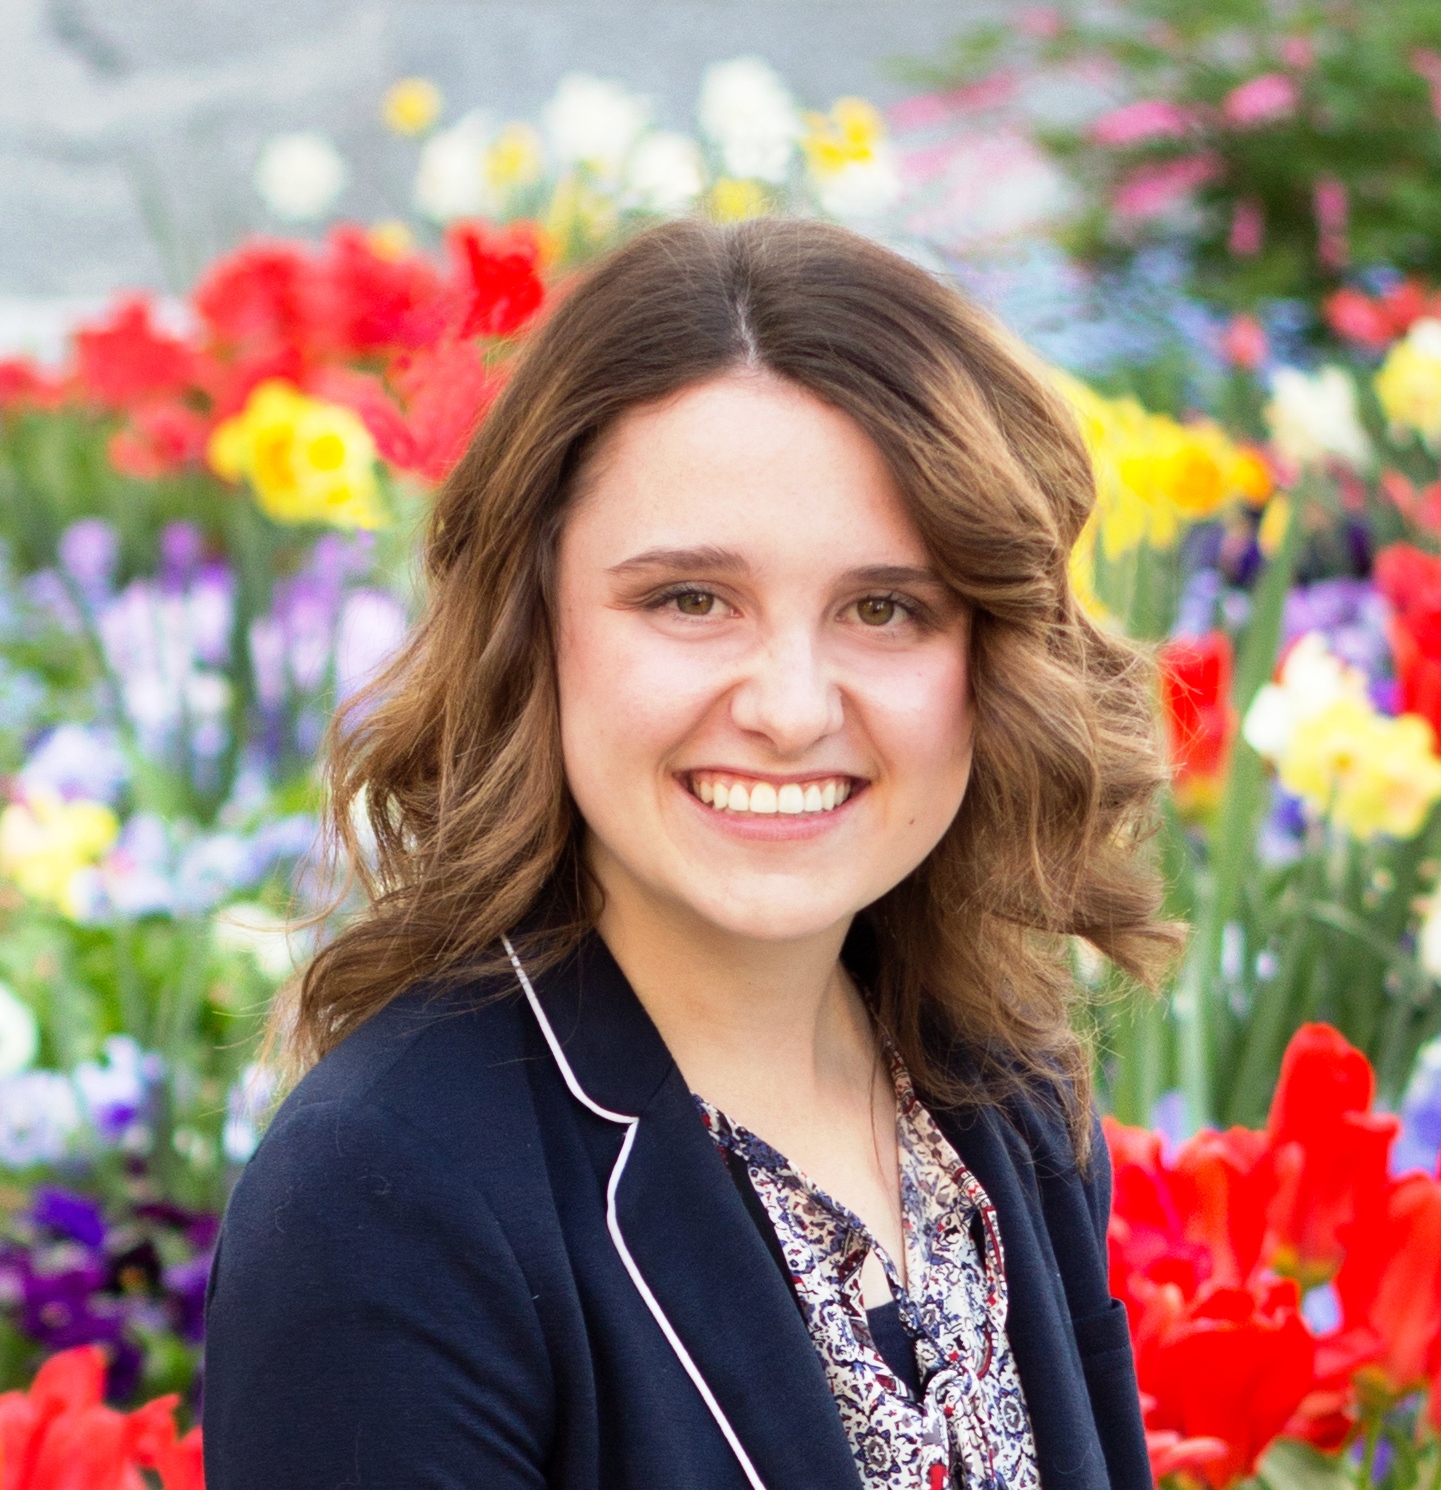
742, 463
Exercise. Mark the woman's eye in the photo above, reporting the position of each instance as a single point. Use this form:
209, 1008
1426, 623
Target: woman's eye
876, 610
694, 603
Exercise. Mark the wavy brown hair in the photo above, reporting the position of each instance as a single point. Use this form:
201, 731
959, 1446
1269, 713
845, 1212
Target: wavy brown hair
453, 762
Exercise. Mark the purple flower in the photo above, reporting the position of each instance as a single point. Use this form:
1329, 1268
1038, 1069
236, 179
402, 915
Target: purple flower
1352, 615
89, 551
46, 591
68, 1215
185, 1289
372, 627
267, 661
180, 548
1419, 1144
211, 612
75, 760
1196, 612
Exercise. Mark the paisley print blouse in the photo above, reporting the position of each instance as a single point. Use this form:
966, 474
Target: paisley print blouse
969, 1427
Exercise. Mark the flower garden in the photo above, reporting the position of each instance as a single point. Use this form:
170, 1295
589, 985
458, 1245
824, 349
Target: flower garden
206, 517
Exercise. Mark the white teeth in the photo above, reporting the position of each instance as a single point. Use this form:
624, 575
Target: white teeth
789, 799
765, 798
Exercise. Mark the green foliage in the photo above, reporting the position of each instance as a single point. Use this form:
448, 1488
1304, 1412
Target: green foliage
1367, 79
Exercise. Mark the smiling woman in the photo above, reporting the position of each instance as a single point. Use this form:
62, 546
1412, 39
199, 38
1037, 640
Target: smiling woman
697, 1102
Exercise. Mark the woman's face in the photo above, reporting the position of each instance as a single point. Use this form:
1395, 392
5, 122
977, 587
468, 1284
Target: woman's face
765, 713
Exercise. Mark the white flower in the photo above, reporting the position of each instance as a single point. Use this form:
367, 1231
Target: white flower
1428, 954
1314, 415
1312, 678
452, 180
76, 760
113, 1092
39, 1118
665, 172
372, 626
750, 115
250, 928
246, 1107
299, 176
591, 122
19, 1034
862, 188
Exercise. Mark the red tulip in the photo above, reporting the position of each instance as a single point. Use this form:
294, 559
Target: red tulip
501, 272
1411, 581
126, 360
262, 309
1236, 1368
1196, 706
60, 1435
1223, 1184
1358, 318
1330, 1151
375, 302
1390, 1283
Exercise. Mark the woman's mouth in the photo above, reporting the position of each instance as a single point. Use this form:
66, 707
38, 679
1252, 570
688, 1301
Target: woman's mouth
729, 791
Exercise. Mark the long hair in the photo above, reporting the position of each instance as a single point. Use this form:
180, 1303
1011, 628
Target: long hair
451, 763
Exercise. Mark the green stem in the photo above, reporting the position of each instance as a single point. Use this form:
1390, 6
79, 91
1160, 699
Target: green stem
1373, 1440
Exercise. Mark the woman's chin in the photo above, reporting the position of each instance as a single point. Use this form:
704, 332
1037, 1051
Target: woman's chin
766, 914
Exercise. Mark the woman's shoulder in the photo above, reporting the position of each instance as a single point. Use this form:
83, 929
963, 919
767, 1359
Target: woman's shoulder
414, 1085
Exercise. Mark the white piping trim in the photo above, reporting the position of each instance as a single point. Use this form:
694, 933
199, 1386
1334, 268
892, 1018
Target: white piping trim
612, 1222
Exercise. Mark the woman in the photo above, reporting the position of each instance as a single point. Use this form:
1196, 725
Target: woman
696, 1103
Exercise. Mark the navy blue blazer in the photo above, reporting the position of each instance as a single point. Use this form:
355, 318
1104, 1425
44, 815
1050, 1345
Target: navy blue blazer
487, 1244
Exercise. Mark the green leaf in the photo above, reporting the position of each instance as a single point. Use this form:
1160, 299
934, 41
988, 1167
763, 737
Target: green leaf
1290, 1464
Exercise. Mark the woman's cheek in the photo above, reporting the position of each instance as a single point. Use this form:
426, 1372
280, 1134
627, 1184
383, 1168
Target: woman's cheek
918, 712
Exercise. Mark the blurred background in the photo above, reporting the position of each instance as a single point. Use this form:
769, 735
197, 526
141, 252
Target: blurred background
261, 272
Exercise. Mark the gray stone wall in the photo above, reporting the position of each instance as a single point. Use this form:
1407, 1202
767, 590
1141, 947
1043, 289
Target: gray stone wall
129, 128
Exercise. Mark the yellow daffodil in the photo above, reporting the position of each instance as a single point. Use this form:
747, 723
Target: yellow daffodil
1409, 382
1155, 475
45, 842
734, 200
411, 106
1369, 774
308, 461
515, 158
1274, 522
848, 135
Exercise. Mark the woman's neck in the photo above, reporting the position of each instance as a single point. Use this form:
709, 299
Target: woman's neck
776, 1036
754, 1026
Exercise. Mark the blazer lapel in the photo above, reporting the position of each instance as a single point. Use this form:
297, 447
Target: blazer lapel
691, 1237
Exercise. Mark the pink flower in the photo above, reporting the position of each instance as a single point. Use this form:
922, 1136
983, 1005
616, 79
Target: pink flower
1332, 207
1297, 52
1043, 21
1244, 342
1248, 229
1428, 64
1261, 100
1151, 190
1149, 119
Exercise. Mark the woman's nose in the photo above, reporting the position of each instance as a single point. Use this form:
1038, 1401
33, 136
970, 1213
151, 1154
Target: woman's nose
788, 694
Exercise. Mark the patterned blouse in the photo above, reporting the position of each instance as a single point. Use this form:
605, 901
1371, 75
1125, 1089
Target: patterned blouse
969, 1428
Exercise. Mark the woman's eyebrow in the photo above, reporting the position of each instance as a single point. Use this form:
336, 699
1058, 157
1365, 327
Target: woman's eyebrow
712, 560
893, 574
